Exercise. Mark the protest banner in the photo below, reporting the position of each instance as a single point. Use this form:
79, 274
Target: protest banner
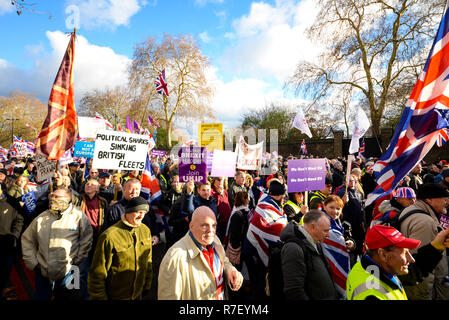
306, 175
120, 150
192, 164
158, 153
223, 164
45, 168
29, 202
89, 127
210, 135
84, 149
249, 157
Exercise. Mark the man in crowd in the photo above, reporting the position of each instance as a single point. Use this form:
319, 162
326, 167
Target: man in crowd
121, 267
55, 244
401, 199
203, 198
306, 272
195, 267
375, 276
432, 200
415, 178
237, 185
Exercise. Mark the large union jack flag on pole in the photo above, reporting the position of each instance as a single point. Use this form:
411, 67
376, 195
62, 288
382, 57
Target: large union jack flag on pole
161, 83
424, 120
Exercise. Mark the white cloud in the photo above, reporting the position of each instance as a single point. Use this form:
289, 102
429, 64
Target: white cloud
106, 13
204, 36
6, 6
95, 67
270, 40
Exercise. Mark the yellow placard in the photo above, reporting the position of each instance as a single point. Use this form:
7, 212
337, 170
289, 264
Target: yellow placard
210, 136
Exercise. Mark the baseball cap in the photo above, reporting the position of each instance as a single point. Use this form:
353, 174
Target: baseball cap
381, 236
104, 174
404, 192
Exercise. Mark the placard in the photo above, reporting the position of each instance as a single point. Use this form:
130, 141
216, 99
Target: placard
45, 168
158, 153
209, 159
223, 164
29, 200
192, 164
210, 135
84, 149
249, 157
306, 175
89, 127
120, 150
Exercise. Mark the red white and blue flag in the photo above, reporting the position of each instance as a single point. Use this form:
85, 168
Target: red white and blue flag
3, 154
266, 226
99, 116
303, 147
362, 150
337, 255
150, 185
161, 83
443, 136
424, 120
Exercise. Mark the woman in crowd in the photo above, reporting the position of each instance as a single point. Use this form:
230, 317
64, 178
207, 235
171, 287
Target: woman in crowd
218, 191
295, 208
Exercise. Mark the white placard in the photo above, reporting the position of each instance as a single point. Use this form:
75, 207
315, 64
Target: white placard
223, 163
45, 168
120, 150
88, 127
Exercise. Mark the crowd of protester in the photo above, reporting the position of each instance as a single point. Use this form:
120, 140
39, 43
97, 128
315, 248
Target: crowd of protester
240, 238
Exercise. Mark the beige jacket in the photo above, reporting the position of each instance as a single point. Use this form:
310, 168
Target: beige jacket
425, 227
57, 243
185, 275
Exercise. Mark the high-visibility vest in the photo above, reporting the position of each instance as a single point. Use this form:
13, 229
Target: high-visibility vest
294, 206
361, 284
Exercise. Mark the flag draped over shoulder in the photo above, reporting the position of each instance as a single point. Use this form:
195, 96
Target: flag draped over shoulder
58, 133
150, 185
266, 226
424, 119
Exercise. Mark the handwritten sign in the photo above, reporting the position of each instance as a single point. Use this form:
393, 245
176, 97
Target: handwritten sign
45, 168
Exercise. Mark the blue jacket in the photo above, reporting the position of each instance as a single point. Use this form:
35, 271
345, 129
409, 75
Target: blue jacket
193, 202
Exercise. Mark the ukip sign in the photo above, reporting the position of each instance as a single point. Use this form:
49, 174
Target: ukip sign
192, 164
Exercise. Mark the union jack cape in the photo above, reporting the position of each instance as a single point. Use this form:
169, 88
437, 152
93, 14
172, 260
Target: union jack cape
150, 185
424, 120
337, 255
161, 83
266, 226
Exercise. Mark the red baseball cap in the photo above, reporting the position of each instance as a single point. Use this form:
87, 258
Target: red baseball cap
380, 236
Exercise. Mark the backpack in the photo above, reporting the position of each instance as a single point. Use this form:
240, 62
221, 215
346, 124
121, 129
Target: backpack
395, 221
274, 279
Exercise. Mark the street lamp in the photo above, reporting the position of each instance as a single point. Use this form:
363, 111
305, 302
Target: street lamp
12, 127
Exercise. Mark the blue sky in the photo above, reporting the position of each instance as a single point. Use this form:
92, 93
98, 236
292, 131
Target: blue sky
253, 46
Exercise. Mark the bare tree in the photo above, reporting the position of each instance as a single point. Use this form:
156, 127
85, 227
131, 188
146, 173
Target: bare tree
113, 104
185, 67
373, 46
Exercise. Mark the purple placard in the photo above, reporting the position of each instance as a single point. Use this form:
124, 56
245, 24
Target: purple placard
444, 221
158, 153
210, 157
192, 164
306, 175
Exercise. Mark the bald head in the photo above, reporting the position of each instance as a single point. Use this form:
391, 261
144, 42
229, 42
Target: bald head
203, 225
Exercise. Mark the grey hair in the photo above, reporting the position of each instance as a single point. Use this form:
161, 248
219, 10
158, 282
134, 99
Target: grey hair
313, 216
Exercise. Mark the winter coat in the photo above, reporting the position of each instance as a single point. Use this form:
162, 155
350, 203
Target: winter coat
223, 208
424, 227
232, 191
57, 242
307, 275
11, 224
185, 275
122, 264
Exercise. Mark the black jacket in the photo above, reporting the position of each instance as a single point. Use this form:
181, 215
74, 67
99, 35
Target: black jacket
307, 275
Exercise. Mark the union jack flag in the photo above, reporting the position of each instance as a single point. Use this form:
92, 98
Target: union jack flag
362, 150
150, 185
442, 137
425, 118
99, 116
303, 147
161, 83
3, 154
266, 226
337, 255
